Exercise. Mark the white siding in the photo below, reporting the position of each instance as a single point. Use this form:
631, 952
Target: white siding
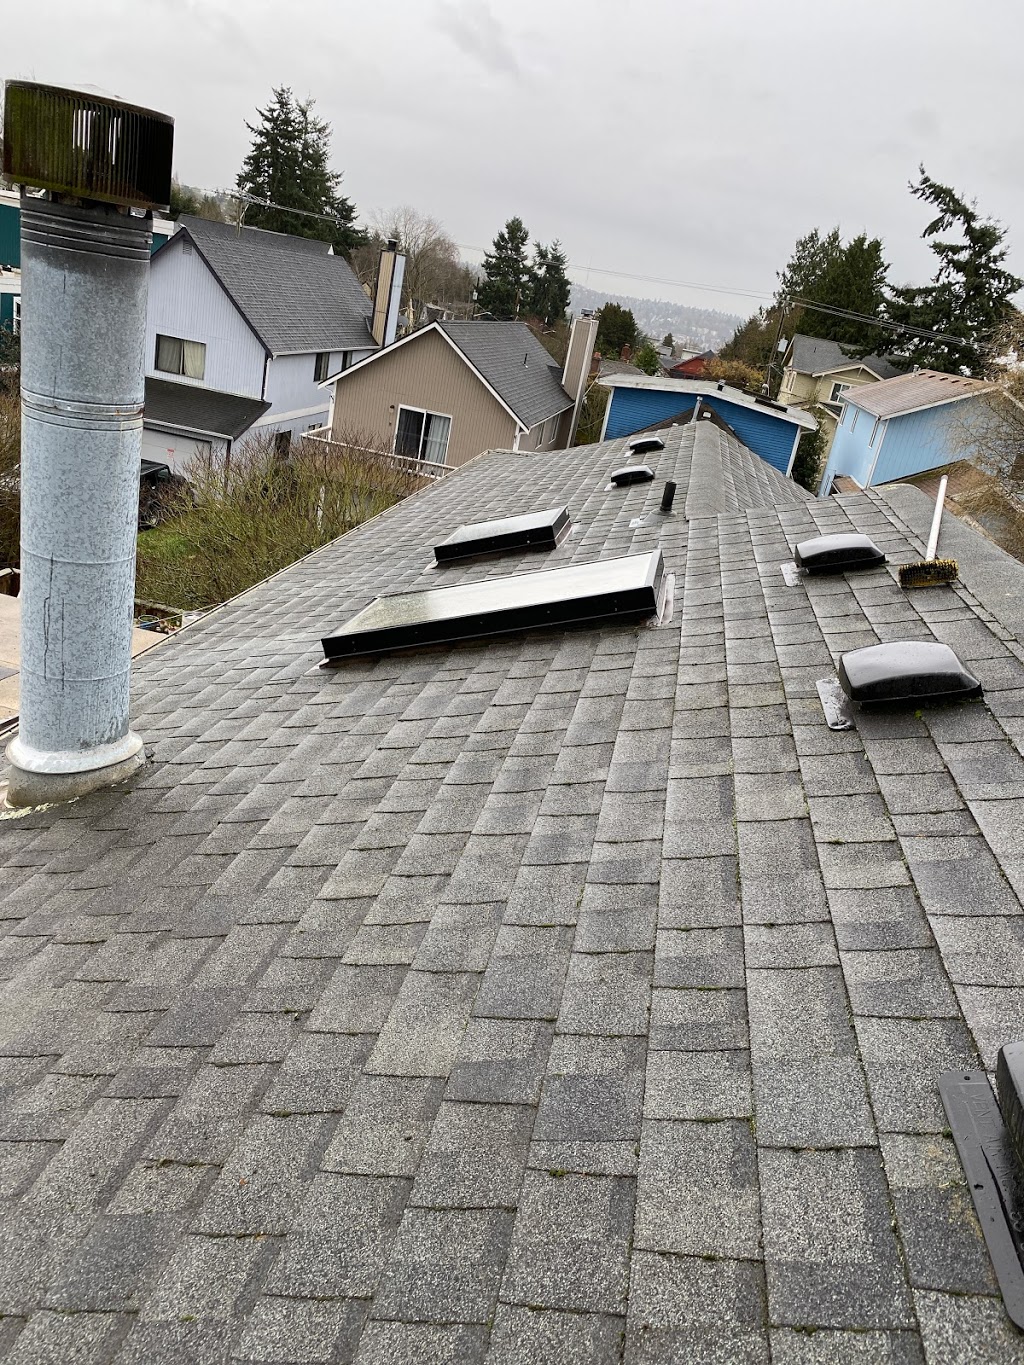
185, 300
297, 402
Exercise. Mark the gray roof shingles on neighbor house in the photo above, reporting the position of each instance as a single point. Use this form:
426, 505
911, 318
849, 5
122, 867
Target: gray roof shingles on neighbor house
515, 364
189, 407
816, 355
293, 292
576, 996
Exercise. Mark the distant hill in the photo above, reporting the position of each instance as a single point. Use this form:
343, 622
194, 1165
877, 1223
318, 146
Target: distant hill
703, 329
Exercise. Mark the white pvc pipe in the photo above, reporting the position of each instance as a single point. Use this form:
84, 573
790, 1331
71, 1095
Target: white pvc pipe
933, 535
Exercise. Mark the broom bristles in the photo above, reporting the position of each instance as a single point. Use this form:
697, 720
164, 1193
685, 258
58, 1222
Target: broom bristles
929, 573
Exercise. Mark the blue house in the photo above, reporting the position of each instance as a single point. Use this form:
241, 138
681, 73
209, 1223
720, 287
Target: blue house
769, 429
904, 426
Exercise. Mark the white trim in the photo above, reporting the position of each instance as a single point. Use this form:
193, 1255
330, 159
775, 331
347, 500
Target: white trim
708, 388
792, 454
881, 442
270, 418
841, 369
412, 336
427, 412
607, 414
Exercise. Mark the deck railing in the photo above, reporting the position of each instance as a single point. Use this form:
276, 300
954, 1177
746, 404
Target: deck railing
404, 464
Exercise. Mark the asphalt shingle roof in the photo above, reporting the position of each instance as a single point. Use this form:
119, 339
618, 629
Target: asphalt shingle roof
910, 392
296, 296
573, 996
498, 349
191, 408
816, 355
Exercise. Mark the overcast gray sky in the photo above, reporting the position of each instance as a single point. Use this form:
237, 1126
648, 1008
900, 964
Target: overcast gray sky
680, 140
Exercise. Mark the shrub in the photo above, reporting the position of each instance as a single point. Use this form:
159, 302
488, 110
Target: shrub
239, 520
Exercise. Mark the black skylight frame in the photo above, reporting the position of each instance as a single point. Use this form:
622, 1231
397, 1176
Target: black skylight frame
531, 531
631, 473
627, 588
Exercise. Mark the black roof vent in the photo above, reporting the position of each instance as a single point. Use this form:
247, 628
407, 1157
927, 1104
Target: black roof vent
533, 531
87, 146
631, 473
837, 554
609, 589
906, 670
640, 445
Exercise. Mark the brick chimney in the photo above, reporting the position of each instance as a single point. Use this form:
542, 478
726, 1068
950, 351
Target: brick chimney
578, 362
387, 295
626, 352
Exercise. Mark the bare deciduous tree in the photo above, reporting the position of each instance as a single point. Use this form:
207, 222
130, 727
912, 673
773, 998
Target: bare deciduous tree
434, 271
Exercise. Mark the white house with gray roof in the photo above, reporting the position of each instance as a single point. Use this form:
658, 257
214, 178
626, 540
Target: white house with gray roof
245, 313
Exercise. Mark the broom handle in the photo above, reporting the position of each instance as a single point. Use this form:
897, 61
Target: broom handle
933, 535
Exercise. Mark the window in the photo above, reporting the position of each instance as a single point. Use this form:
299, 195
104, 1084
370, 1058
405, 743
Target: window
422, 435
856, 414
838, 389
16, 320
547, 432
175, 356
346, 359
874, 431
320, 366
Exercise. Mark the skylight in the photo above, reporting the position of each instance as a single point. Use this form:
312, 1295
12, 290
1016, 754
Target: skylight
532, 531
610, 589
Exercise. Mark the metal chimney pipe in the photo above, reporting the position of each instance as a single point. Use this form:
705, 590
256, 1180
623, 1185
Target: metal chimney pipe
85, 276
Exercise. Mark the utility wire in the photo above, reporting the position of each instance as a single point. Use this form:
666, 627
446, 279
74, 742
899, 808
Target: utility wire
901, 328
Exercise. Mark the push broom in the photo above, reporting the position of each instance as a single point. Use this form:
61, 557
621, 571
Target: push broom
930, 572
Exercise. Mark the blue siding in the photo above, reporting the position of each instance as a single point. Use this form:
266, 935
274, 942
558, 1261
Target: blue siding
767, 434
904, 445
631, 409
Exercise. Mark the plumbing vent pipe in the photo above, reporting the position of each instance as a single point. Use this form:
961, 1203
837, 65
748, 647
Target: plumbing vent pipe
85, 276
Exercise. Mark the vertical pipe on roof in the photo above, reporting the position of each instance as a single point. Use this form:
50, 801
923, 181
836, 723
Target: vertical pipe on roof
85, 273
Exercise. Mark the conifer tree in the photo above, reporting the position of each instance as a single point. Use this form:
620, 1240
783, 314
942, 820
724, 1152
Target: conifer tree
505, 290
550, 288
288, 164
969, 296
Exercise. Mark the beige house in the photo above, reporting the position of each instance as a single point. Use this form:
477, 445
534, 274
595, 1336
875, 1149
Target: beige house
445, 393
817, 373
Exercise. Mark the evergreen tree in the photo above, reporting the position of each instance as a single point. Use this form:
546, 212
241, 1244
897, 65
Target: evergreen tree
505, 290
969, 296
667, 340
852, 276
646, 357
753, 342
288, 164
549, 287
616, 327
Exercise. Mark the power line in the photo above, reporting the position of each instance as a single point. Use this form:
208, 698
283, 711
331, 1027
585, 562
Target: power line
903, 329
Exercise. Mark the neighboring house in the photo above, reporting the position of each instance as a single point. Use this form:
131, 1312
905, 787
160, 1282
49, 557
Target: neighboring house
769, 429
264, 316
817, 373
901, 426
10, 299
184, 420
445, 393
689, 367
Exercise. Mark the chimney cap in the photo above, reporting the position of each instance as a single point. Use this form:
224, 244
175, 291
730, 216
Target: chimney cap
392, 244
87, 146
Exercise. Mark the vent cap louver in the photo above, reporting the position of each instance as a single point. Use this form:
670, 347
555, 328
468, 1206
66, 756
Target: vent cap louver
631, 473
640, 445
906, 670
609, 589
531, 531
837, 554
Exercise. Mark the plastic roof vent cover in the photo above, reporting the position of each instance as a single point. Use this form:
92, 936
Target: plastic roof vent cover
906, 670
640, 445
631, 473
837, 554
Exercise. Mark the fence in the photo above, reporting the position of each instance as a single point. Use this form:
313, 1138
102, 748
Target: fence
404, 464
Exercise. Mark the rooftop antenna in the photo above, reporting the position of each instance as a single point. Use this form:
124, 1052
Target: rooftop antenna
85, 275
